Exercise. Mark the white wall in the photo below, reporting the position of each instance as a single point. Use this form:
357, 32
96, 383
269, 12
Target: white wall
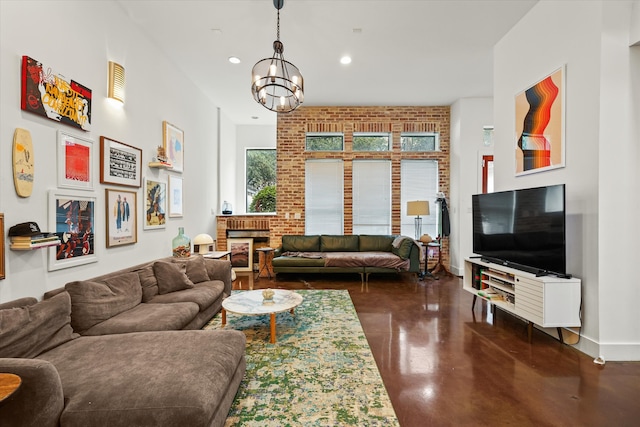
262, 136
78, 39
227, 164
585, 36
468, 116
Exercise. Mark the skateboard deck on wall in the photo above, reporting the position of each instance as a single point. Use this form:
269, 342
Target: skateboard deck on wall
23, 162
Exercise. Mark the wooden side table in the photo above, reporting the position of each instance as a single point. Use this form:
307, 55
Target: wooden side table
9, 384
265, 268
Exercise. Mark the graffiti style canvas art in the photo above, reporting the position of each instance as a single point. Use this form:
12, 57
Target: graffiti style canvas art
52, 95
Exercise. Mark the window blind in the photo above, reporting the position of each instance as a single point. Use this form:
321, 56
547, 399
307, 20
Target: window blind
371, 197
324, 196
419, 181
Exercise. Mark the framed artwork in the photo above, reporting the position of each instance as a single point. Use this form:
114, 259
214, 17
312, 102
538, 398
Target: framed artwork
540, 125
75, 160
175, 196
241, 254
120, 163
72, 217
121, 217
173, 142
2, 246
155, 204
52, 95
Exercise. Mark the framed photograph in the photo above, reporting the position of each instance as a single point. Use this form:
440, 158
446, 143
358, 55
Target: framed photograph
175, 196
540, 125
120, 163
155, 205
75, 160
72, 218
241, 254
121, 217
173, 142
2, 246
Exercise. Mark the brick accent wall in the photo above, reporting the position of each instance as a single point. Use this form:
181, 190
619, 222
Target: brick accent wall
291, 156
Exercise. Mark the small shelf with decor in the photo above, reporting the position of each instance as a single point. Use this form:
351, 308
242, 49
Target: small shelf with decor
160, 165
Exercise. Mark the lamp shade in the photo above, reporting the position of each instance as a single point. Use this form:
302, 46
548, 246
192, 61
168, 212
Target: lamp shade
418, 207
202, 244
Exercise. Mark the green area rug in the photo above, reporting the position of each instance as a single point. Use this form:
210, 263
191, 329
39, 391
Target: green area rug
320, 372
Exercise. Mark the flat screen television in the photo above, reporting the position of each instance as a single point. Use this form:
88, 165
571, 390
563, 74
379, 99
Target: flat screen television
523, 229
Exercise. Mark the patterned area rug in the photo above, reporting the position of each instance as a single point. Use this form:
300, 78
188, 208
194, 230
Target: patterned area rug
320, 372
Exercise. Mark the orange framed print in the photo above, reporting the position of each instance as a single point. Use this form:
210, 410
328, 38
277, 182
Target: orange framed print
75, 162
540, 125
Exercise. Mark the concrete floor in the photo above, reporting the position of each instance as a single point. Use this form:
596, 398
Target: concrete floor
444, 365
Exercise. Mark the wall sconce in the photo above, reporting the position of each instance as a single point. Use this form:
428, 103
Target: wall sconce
116, 82
418, 207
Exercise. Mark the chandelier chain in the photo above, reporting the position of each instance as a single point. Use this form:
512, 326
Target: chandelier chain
278, 27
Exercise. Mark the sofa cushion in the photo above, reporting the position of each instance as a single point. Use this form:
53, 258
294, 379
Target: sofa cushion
300, 243
342, 243
204, 294
148, 282
17, 303
93, 302
170, 277
375, 243
401, 246
194, 268
172, 378
148, 317
33, 329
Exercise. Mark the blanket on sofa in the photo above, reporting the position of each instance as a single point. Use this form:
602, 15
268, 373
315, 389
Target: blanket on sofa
356, 259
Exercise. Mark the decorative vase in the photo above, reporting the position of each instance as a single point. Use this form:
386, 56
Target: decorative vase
181, 244
226, 208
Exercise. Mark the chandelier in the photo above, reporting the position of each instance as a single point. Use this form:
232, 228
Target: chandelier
275, 83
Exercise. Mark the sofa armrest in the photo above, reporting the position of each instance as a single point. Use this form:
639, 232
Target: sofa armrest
220, 269
39, 400
277, 252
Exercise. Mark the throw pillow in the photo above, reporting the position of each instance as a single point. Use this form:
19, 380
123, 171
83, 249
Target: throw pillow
31, 330
94, 302
402, 248
194, 267
170, 277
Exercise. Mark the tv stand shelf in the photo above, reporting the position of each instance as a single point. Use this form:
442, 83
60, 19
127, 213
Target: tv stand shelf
546, 301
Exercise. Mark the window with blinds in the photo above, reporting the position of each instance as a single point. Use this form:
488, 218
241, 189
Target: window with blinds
324, 194
371, 197
419, 181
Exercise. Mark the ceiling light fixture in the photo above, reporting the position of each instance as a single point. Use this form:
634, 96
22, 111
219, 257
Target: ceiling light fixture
234, 59
345, 60
275, 83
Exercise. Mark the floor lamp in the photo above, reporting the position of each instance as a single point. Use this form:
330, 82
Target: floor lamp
418, 207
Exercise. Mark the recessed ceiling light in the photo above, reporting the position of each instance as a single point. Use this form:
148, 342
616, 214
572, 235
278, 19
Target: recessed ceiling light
216, 31
255, 117
234, 59
345, 60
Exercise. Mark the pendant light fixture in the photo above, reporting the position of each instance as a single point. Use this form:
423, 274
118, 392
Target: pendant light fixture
275, 83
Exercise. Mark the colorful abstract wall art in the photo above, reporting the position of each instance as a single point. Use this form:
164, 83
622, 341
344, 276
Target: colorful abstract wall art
540, 125
54, 96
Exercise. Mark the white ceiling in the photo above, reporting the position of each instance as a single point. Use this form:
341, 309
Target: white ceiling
419, 52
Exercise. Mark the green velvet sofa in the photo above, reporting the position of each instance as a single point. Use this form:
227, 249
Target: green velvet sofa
361, 254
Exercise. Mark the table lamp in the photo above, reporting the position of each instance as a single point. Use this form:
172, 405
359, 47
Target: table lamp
202, 244
418, 207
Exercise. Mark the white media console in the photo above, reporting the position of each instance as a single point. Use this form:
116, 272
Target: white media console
546, 301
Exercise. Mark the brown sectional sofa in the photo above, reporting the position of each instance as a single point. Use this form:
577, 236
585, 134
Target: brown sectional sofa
124, 349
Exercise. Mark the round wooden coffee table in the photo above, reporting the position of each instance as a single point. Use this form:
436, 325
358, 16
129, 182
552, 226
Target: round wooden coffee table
251, 303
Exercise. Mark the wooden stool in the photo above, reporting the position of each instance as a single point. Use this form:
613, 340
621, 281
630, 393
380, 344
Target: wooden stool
265, 268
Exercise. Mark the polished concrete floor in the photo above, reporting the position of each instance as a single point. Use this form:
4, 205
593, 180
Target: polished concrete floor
444, 365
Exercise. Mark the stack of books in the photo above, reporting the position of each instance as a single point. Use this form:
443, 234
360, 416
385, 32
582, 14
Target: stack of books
23, 243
